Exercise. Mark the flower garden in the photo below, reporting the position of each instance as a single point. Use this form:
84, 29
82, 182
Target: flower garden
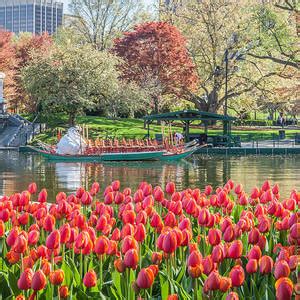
151, 243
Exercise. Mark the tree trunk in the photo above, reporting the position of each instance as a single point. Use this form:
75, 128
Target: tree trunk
71, 119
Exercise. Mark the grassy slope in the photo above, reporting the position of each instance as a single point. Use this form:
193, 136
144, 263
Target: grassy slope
134, 128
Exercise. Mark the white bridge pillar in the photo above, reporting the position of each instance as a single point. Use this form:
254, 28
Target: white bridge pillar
2, 102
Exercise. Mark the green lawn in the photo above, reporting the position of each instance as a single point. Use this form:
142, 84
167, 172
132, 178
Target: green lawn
134, 128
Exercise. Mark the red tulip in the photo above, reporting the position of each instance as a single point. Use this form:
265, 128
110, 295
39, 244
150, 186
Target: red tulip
236, 249
214, 236
237, 276
284, 288
63, 291
33, 237
218, 253
170, 188
11, 238
145, 278
282, 269
90, 279
208, 265
140, 232
86, 198
53, 240
194, 259
38, 280
49, 223
20, 244
65, 233
82, 240
57, 277
172, 297
131, 259
295, 231
254, 253
213, 281
101, 245
265, 264
169, 244
232, 296
95, 188
128, 243
252, 266
156, 258
24, 282
32, 188
42, 198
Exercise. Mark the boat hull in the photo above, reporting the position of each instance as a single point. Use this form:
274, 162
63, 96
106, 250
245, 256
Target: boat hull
130, 156
177, 156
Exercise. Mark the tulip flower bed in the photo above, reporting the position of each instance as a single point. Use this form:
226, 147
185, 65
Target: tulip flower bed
152, 243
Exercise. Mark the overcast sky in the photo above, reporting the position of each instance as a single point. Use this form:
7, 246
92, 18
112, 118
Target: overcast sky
66, 3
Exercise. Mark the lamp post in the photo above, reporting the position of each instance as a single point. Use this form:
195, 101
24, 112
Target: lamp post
2, 103
226, 81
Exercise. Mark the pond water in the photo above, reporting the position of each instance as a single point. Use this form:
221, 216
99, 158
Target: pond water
17, 170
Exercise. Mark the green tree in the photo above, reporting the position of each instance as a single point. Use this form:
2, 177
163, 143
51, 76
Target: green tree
71, 79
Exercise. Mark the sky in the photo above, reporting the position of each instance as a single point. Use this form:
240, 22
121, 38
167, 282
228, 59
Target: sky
66, 3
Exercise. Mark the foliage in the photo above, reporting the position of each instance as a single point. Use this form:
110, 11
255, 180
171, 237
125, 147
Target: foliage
99, 21
155, 57
211, 27
71, 79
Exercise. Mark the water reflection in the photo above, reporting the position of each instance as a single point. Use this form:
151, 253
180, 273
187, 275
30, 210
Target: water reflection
18, 169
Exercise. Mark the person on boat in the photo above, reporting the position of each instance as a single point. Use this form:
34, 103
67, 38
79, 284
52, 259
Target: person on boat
178, 138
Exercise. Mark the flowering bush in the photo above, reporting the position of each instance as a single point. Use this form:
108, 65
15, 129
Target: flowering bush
153, 243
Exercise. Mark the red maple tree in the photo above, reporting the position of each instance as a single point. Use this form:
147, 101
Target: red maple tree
24, 48
155, 56
8, 62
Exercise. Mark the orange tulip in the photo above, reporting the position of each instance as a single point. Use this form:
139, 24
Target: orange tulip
172, 297
282, 269
20, 297
237, 276
2, 228
46, 267
195, 271
12, 257
57, 277
131, 259
225, 284
63, 291
24, 282
38, 281
266, 264
119, 265
284, 288
90, 279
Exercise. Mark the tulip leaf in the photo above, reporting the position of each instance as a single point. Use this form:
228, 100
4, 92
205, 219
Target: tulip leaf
114, 293
180, 274
6, 292
75, 272
13, 282
68, 274
164, 285
116, 277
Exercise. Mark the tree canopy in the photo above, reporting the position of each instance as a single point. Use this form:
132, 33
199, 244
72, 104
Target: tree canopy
155, 57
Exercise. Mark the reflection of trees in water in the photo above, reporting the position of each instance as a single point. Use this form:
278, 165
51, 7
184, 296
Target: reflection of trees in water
18, 169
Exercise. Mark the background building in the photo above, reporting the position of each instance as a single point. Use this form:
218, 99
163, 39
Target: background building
35, 16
